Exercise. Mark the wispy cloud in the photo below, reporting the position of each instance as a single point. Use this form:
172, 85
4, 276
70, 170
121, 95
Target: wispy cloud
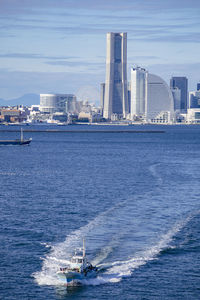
81, 66
14, 6
192, 37
143, 57
177, 67
65, 61
34, 56
150, 32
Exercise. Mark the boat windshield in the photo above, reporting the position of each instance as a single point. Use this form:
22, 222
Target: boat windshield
77, 260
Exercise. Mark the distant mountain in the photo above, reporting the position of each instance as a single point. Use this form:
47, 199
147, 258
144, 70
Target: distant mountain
27, 99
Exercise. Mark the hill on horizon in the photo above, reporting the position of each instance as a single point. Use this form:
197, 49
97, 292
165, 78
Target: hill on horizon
27, 99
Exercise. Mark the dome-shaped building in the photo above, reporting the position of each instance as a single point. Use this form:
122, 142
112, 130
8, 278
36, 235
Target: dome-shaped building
159, 98
151, 97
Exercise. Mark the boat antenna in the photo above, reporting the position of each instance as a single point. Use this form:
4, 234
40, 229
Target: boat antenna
83, 247
21, 135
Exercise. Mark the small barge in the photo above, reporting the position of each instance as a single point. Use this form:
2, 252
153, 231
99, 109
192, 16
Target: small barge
20, 141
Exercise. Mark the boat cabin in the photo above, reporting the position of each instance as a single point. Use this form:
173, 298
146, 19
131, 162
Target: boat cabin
78, 262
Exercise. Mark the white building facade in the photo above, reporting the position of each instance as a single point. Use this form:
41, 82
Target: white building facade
138, 91
159, 98
52, 103
151, 97
193, 115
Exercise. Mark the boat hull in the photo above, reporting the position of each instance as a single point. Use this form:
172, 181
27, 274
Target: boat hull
15, 142
71, 277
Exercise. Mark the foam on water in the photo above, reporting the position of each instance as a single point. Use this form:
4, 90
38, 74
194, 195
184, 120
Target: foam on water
110, 272
103, 254
53, 261
8, 173
155, 173
125, 268
46, 245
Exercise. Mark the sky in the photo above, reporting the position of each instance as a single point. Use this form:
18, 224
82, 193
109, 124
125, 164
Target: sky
59, 46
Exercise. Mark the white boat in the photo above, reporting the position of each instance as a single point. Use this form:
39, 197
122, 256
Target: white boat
79, 268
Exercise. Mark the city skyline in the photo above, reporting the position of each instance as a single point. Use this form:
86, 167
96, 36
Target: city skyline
62, 49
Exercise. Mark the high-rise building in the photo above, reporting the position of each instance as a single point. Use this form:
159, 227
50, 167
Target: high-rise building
159, 99
182, 84
116, 96
194, 99
151, 97
198, 86
138, 91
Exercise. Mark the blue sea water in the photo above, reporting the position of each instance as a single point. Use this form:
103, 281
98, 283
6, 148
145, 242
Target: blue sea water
134, 197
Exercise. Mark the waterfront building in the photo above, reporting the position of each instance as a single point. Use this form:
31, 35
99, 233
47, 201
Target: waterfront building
194, 99
116, 96
84, 116
182, 84
193, 115
59, 117
138, 91
10, 115
35, 108
51, 103
164, 117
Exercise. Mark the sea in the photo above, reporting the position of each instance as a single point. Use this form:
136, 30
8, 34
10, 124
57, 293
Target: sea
133, 196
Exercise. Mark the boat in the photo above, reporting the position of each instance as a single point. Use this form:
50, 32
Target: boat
79, 268
20, 141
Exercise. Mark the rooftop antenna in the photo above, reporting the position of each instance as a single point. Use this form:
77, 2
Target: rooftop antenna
21, 135
83, 247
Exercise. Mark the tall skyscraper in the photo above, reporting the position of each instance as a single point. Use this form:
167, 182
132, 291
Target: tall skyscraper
138, 91
182, 84
116, 95
198, 86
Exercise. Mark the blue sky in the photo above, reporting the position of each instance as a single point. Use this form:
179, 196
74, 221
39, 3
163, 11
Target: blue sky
59, 46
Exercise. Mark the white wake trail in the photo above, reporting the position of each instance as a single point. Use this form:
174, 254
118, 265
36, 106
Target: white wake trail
53, 261
155, 173
111, 272
120, 269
